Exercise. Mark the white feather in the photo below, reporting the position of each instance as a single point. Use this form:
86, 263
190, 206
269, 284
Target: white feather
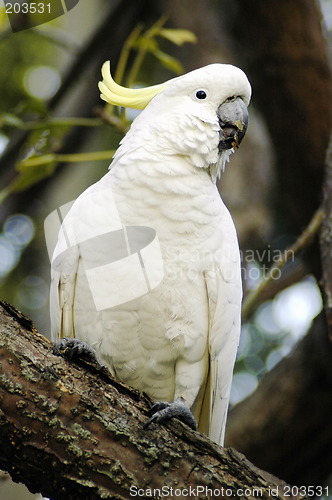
178, 338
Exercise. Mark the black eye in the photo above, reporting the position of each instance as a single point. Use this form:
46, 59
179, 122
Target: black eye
201, 94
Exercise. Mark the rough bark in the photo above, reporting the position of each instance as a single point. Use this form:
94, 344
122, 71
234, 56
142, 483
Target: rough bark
71, 434
326, 240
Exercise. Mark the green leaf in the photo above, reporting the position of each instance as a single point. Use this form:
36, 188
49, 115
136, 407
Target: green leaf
35, 161
178, 36
32, 171
146, 44
169, 62
10, 120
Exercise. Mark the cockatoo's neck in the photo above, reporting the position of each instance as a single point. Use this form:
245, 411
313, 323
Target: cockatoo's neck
217, 169
186, 140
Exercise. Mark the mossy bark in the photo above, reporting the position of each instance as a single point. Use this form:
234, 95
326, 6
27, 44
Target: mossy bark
70, 434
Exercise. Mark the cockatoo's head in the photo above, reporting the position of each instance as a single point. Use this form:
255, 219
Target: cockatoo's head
201, 115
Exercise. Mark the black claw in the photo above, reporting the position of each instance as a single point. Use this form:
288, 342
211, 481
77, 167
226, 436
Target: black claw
79, 352
157, 407
163, 412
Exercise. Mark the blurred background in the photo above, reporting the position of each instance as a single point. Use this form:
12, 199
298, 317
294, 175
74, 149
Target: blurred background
56, 139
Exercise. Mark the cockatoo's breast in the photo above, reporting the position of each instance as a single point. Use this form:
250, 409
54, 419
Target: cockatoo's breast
197, 241
168, 193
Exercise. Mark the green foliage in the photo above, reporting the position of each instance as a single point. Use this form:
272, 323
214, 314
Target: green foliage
19, 110
18, 53
23, 115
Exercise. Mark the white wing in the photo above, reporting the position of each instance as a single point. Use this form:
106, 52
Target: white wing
224, 296
91, 218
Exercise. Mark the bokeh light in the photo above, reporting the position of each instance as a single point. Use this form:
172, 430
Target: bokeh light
272, 333
18, 231
295, 308
42, 82
9, 256
32, 293
244, 383
3, 142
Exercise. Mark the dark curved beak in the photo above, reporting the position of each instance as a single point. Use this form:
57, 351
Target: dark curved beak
233, 119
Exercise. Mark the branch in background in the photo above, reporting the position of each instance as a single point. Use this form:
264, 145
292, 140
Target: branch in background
285, 425
304, 240
11, 120
35, 168
69, 433
68, 158
119, 124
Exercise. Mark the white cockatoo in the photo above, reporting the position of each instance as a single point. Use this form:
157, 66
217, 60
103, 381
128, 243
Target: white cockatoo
146, 268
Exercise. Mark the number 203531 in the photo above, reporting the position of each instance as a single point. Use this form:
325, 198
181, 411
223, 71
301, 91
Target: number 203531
28, 8
308, 491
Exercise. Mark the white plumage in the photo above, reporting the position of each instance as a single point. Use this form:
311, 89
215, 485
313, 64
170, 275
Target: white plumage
178, 339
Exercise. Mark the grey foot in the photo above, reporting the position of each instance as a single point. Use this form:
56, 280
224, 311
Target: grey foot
79, 352
163, 412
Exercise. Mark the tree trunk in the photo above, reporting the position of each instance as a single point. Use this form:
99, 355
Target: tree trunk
326, 240
281, 46
71, 434
283, 50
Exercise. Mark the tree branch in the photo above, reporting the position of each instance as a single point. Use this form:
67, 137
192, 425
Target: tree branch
69, 433
253, 298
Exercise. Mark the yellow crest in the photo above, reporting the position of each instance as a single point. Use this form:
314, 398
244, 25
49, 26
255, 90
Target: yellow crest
121, 96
